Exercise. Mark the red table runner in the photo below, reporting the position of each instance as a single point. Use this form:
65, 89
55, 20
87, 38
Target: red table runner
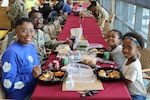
112, 90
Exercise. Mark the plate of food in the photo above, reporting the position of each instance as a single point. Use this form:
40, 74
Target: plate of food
62, 48
52, 76
108, 74
83, 45
98, 51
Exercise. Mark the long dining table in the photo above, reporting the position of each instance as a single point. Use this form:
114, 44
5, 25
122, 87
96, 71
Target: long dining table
113, 90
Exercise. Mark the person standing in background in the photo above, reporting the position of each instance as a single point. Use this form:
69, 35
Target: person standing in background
31, 4
16, 10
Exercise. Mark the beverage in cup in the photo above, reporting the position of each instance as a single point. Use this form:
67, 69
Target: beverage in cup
106, 55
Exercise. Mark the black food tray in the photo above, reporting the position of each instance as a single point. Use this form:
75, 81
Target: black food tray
98, 51
52, 80
111, 74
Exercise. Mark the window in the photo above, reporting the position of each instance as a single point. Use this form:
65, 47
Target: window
4, 3
145, 20
119, 9
131, 14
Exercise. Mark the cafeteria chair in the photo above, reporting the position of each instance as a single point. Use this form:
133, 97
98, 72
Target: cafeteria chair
62, 21
50, 29
145, 62
11, 35
3, 44
106, 29
111, 18
65, 16
101, 22
57, 26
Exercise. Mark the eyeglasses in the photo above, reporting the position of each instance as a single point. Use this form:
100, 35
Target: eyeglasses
26, 31
38, 19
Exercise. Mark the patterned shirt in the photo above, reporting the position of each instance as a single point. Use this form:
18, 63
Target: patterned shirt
16, 10
18, 62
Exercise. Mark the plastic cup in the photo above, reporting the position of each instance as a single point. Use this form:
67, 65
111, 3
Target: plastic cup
106, 55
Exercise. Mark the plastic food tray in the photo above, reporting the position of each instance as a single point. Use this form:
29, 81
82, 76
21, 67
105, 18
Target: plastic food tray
81, 73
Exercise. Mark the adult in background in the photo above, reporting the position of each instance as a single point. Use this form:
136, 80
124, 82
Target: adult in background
16, 10
1, 1
31, 4
42, 40
20, 64
95, 1
97, 11
56, 10
45, 8
67, 8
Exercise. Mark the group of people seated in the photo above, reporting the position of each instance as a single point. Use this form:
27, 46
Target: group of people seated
23, 59
18, 8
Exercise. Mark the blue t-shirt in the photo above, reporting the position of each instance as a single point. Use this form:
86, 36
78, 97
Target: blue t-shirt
66, 8
18, 62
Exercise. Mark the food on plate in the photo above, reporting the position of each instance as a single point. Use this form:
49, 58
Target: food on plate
43, 78
114, 74
92, 62
59, 73
110, 74
51, 76
48, 75
83, 44
98, 50
85, 59
63, 48
89, 60
102, 73
93, 50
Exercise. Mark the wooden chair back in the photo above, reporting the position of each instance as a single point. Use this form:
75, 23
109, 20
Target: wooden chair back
57, 26
106, 29
145, 60
101, 22
50, 29
3, 43
111, 18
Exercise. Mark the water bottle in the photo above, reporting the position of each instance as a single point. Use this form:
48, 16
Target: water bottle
69, 82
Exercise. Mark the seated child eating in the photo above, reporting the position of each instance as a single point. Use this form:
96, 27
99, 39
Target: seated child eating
114, 40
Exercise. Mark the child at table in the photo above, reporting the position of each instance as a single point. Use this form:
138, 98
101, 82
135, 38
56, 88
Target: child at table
114, 40
132, 71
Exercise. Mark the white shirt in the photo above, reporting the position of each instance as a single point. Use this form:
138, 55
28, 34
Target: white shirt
117, 55
133, 72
